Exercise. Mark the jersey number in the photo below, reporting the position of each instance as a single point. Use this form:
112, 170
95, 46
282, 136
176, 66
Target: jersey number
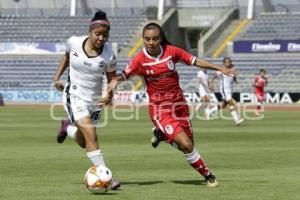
96, 115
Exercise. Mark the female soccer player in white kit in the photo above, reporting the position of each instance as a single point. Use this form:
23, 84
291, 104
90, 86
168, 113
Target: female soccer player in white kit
204, 92
89, 58
226, 90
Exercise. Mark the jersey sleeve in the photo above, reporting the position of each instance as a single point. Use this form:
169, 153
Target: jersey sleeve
69, 44
182, 55
112, 64
131, 68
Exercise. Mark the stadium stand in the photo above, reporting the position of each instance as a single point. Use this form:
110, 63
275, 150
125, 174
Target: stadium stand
204, 3
273, 26
36, 73
59, 28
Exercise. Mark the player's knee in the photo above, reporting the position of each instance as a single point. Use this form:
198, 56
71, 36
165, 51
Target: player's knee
81, 144
186, 147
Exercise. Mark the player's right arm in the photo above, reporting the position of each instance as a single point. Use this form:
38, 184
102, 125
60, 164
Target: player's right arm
63, 65
130, 69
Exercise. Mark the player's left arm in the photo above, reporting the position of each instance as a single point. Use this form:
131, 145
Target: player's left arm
108, 98
192, 60
207, 65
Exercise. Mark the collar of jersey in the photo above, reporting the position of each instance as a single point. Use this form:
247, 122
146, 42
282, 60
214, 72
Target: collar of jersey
152, 57
87, 55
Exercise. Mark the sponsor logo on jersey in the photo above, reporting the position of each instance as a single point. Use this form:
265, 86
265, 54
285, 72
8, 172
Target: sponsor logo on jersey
169, 129
87, 64
149, 71
75, 54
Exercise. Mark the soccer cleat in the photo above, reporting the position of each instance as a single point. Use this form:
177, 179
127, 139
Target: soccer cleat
115, 185
211, 180
157, 137
239, 122
62, 134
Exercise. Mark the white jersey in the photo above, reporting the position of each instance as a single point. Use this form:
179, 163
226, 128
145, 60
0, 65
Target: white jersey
203, 86
204, 78
226, 85
85, 72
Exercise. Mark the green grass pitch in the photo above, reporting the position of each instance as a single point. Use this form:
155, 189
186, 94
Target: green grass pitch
258, 161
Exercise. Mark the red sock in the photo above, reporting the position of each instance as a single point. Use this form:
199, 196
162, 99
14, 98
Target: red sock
200, 166
258, 107
197, 163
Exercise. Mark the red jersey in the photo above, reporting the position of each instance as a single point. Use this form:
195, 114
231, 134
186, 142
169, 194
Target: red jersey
160, 73
260, 83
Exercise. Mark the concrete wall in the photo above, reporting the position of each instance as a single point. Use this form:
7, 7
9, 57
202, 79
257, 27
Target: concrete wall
214, 32
170, 25
195, 17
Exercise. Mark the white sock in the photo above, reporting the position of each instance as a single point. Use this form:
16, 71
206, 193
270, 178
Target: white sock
214, 109
72, 130
234, 115
192, 157
96, 157
207, 110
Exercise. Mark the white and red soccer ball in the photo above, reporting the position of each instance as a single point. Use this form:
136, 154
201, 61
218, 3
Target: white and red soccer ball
98, 179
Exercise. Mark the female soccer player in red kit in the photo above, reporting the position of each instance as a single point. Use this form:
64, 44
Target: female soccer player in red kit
167, 106
260, 82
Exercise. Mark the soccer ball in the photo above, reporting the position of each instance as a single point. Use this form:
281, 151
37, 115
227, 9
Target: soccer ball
98, 179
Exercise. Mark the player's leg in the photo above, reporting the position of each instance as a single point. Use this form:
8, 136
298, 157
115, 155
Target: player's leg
201, 94
206, 107
67, 125
67, 129
233, 112
259, 98
88, 130
87, 127
194, 158
179, 132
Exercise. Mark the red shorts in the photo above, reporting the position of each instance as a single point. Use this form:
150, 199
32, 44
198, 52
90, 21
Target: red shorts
260, 96
172, 121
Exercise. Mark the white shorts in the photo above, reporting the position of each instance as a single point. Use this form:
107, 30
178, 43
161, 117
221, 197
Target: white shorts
77, 108
226, 95
203, 92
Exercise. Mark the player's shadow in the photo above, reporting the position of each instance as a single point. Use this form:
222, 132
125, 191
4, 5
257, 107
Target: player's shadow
141, 182
105, 194
249, 181
190, 182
